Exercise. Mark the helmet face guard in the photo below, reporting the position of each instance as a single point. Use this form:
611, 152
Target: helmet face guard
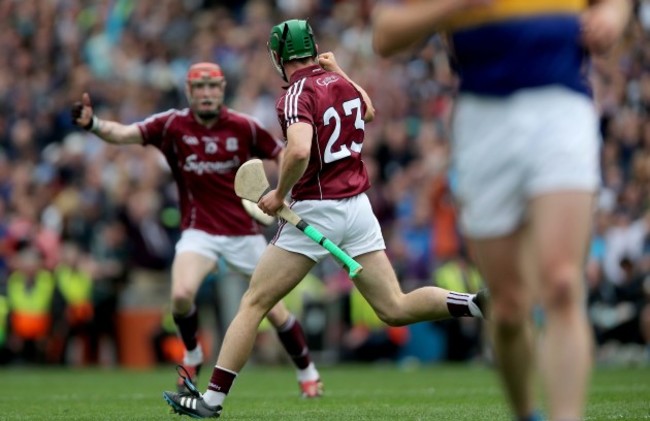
276, 45
290, 40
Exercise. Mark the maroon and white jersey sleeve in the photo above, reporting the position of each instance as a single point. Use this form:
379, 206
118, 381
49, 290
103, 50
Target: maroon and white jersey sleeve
154, 127
335, 109
204, 161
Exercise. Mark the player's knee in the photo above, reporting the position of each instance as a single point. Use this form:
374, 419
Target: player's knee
561, 288
256, 302
393, 310
392, 316
390, 319
182, 301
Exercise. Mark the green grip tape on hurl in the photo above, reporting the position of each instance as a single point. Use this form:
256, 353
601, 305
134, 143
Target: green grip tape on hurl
353, 267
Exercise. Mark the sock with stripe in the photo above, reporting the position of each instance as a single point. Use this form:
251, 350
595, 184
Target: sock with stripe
293, 340
219, 386
460, 305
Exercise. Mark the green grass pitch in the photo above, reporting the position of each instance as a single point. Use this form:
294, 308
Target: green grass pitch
355, 392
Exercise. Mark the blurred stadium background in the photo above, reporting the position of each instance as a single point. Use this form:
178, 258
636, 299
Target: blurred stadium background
102, 219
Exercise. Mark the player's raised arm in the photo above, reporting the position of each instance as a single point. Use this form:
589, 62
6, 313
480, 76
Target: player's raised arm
328, 62
395, 27
110, 131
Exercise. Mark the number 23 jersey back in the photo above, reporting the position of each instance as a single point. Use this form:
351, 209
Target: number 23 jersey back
335, 109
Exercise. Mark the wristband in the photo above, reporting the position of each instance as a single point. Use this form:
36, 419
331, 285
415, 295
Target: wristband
93, 125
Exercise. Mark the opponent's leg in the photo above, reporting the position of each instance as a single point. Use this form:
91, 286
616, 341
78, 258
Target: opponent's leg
502, 263
561, 224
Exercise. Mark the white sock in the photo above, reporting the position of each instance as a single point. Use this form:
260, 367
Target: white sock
213, 398
308, 374
193, 357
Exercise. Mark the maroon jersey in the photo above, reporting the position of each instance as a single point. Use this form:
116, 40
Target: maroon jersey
335, 109
204, 162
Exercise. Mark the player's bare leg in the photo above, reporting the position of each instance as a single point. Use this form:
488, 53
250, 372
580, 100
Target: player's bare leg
380, 287
502, 263
561, 224
189, 269
270, 282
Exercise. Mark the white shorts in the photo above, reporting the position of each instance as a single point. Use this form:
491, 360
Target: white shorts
507, 150
240, 252
349, 223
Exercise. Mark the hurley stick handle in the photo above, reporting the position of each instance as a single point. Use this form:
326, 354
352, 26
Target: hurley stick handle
352, 266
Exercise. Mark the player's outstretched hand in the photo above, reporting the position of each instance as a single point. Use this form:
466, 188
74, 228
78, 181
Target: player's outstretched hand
82, 112
328, 62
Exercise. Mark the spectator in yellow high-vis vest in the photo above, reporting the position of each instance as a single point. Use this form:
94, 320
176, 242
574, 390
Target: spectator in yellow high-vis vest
75, 284
30, 291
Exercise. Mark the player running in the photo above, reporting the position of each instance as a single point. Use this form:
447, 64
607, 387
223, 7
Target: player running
204, 146
323, 114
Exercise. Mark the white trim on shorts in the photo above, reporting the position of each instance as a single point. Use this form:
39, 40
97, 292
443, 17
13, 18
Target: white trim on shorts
507, 150
350, 223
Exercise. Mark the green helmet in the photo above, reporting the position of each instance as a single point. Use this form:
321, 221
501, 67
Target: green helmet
291, 40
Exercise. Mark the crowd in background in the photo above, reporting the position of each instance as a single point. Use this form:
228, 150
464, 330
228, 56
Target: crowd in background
89, 218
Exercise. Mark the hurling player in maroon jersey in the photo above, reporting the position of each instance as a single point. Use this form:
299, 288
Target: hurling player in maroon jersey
204, 146
322, 115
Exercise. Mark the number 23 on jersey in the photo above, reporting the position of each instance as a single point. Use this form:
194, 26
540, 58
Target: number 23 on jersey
335, 149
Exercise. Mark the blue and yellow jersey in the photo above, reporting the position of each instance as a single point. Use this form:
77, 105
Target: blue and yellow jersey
518, 44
